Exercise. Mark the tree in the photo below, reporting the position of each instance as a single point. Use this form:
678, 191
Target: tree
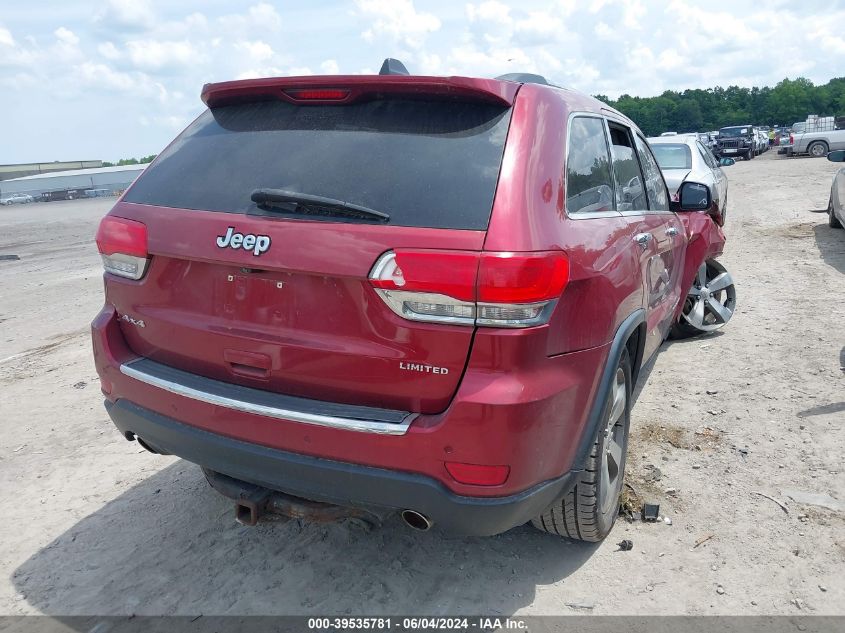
697, 110
131, 161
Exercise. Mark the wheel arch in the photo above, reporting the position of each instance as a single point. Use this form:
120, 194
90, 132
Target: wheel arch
630, 335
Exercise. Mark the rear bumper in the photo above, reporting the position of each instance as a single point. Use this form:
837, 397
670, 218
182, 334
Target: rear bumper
334, 481
515, 407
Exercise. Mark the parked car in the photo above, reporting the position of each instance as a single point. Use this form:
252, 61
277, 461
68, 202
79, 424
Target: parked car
62, 194
762, 141
421, 331
683, 158
737, 140
836, 204
708, 139
816, 142
97, 193
16, 198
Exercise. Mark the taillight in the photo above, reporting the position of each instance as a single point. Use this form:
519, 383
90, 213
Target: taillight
465, 288
123, 246
791, 139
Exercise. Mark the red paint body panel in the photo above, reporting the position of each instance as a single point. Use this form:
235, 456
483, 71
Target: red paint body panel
705, 240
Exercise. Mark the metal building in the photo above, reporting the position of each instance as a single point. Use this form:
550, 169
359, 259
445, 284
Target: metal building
19, 170
102, 181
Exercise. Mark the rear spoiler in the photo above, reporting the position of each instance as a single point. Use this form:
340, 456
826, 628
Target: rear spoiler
342, 89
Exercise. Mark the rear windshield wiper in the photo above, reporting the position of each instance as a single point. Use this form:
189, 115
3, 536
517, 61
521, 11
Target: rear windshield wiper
307, 204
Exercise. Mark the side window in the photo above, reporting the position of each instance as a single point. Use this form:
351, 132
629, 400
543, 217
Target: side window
707, 156
630, 192
589, 187
658, 198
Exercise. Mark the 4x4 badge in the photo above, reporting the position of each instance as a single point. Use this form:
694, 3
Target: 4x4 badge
256, 243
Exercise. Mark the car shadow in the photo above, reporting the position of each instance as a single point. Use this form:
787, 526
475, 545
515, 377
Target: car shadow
831, 244
170, 546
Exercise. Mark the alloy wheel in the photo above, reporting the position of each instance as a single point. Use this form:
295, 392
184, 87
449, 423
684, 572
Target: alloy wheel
613, 454
712, 299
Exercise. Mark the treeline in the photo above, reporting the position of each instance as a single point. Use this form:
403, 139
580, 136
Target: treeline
130, 161
702, 110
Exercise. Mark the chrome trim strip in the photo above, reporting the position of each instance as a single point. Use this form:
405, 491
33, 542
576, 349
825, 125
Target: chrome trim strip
348, 424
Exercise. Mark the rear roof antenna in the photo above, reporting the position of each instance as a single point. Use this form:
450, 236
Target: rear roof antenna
393, 67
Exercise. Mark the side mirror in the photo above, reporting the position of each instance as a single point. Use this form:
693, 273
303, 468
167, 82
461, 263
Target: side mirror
726, 162
837, 156
693, 196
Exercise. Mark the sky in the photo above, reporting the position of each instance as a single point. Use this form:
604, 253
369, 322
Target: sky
110, 79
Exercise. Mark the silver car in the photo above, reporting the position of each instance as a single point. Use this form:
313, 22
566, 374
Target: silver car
16, 198
683, 157
836, 205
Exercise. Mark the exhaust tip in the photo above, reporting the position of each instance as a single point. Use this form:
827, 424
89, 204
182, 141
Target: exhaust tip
145, 445
416, 520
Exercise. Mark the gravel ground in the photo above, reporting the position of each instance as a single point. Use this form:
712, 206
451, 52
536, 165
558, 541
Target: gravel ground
94, 525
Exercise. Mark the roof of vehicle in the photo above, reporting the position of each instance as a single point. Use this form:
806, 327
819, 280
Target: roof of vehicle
678, 139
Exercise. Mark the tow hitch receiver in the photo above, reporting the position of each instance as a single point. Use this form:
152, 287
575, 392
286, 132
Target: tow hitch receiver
252, 502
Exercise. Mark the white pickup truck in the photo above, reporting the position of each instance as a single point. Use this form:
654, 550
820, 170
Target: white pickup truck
816, 137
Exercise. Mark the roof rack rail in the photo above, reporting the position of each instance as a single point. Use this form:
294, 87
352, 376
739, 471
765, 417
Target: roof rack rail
393, 67
525, 78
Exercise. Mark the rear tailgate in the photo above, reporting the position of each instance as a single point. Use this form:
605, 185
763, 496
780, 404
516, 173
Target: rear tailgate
272, 300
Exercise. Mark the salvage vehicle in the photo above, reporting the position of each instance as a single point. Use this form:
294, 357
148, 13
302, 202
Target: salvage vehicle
737, 140
349, 296
836, 203
711, 297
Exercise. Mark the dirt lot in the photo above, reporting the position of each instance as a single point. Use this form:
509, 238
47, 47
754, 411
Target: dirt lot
94, 525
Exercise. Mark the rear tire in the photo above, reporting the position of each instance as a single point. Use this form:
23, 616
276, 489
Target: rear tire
817, 149
588, 511
832, 221
749, 155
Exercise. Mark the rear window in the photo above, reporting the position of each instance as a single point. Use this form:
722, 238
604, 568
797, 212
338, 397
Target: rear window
425, 163
672, 156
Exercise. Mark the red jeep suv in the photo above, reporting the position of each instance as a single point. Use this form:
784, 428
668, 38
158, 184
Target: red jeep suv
423, 294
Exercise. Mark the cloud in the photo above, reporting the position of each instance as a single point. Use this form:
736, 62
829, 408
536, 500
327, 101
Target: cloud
126, 15
330, 67
6, 38
262, 17
539, 27
491, 11
151, 54
66, 36
257, 50
398, 20
109, 51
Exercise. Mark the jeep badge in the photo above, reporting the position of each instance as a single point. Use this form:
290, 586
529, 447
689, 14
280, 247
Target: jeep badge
256, 243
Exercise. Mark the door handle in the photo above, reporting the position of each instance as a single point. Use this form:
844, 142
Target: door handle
643, 239
671, 231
